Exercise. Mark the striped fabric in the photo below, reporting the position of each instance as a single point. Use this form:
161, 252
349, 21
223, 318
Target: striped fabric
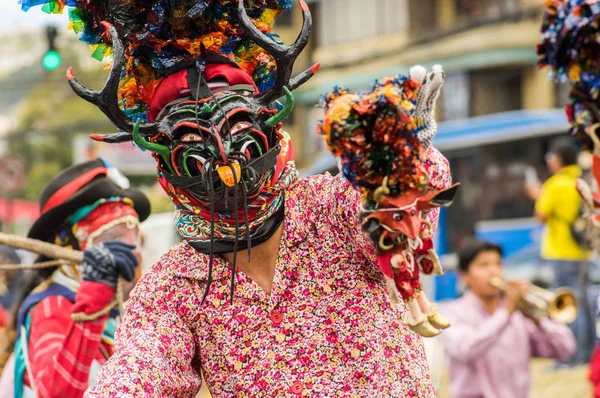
61, 352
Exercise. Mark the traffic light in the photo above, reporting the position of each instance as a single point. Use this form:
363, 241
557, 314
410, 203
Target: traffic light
51, 59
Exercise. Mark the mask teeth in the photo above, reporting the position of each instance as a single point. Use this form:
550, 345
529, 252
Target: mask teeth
199, 158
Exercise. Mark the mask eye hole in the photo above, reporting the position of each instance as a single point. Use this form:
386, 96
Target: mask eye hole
413, 212
240, 127
397, 216
191, 137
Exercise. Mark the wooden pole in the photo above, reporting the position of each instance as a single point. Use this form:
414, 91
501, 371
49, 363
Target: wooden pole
44, 248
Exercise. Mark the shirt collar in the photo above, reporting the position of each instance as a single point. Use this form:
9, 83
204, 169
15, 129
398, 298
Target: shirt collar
572, 170
190, 264
296, 225
471, 300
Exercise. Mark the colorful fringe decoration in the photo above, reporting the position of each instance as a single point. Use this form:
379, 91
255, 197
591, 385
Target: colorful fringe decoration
160, 34
571, 47
375, 136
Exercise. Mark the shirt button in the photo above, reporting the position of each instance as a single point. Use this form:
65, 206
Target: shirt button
276, 317
297, 387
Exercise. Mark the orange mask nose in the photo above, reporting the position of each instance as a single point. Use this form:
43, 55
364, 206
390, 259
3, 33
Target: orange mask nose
227, 176
411, 226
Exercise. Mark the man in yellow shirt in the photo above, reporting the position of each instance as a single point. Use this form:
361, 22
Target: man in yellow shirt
557, 206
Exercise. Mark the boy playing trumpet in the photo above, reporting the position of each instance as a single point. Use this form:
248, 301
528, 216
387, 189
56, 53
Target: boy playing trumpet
491, 341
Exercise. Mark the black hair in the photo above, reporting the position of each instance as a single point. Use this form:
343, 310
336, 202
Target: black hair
468, 252
565, 149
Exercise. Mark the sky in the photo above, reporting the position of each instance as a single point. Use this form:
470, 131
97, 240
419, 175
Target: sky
11, 16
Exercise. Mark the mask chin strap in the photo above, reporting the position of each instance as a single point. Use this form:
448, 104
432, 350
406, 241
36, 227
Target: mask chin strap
237, 226
247, 221
259, 236
212, 233
204, 91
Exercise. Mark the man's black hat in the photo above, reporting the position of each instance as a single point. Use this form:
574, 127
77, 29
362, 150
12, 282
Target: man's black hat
81, 185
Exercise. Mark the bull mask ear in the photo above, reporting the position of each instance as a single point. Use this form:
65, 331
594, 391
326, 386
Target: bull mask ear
444, 198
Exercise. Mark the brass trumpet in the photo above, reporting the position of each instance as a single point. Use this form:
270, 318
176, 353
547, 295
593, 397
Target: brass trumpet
559, 305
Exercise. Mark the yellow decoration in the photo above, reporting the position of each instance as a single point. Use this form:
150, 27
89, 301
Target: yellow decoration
339, 111
574, 73
227, 176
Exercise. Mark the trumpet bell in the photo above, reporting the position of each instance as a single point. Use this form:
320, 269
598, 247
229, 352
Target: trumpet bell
563, 309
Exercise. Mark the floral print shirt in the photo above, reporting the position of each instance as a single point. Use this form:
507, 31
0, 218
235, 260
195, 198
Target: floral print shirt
325, 330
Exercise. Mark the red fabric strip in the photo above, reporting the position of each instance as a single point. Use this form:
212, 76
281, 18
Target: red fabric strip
62, 194
596, 168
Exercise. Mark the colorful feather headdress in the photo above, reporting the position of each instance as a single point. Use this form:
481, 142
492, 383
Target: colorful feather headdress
375, 136
571, 47
160, 34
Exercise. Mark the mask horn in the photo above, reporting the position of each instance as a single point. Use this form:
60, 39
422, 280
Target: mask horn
284, 56
107, 99
444, 198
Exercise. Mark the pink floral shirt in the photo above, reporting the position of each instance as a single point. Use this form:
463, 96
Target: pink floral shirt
325, 330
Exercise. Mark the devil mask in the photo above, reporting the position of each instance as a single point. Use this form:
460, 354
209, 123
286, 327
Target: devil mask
217, 141
220, 140
221, 153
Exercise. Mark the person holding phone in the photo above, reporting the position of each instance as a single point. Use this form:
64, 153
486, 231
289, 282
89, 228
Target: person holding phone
557, 205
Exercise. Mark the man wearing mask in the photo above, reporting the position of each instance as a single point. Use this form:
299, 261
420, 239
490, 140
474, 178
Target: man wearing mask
88, 207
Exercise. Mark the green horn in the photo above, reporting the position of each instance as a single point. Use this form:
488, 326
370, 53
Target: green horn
162, 150
282, 114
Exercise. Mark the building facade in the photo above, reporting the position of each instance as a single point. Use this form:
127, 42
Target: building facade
493, 86
487, 48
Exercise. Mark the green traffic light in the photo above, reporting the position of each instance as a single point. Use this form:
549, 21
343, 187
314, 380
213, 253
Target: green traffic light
51, 60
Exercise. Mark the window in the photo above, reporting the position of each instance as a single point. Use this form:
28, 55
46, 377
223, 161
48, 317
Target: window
468, 10
392, 16
313, 142
455, 98
422, 16
495, 90
492, 179
342, 21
